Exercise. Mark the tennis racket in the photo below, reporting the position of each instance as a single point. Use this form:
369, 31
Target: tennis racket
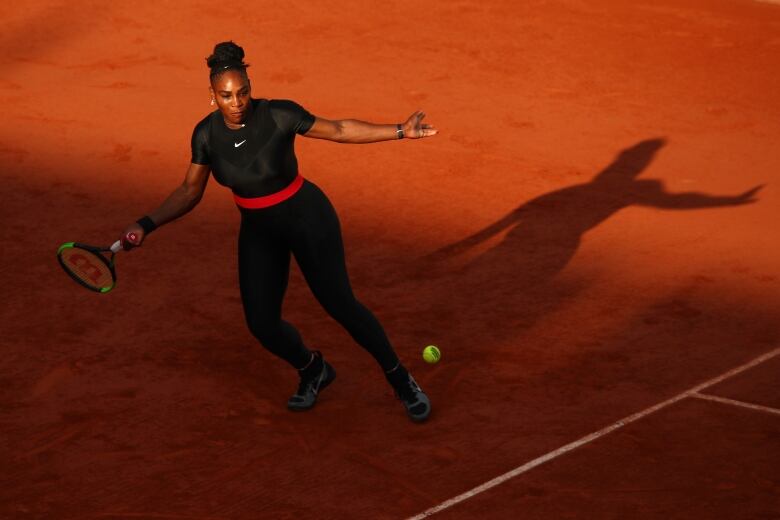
89, 266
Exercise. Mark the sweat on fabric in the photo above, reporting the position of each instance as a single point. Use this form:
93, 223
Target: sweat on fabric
258, 159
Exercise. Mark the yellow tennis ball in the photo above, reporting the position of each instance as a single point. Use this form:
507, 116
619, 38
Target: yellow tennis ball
431, 354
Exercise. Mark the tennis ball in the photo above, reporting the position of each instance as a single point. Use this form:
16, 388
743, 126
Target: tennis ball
431, 354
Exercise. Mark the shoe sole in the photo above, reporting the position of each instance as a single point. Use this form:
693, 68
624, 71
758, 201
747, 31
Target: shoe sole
419, 418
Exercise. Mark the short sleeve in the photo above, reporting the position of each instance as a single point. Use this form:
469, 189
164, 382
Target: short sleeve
200, 143
291, 117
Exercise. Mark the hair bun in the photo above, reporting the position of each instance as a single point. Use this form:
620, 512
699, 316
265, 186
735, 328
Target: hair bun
226, 53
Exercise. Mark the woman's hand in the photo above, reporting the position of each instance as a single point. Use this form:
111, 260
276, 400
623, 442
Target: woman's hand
415, 129
134, 230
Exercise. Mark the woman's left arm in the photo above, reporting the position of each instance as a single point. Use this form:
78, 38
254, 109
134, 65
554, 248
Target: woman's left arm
354, 131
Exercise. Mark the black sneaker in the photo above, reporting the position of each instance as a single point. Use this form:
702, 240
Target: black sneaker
313, 380
417, 404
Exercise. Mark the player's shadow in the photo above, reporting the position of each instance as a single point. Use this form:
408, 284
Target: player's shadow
512, 283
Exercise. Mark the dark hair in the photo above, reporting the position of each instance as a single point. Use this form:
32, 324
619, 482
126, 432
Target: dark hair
227, 56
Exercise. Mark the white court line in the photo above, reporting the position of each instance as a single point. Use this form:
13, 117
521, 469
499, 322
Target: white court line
593, 436
723, 400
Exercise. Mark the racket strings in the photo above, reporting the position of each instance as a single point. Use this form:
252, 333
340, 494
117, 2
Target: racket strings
88, 267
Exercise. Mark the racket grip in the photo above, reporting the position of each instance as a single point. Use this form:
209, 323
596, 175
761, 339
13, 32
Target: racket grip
116, 246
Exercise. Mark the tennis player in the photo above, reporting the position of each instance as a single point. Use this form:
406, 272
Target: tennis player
247, 144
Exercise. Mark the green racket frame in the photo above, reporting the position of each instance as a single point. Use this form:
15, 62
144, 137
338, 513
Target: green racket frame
109, 262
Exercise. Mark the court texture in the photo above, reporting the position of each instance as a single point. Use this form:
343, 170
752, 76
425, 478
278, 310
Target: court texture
591, 240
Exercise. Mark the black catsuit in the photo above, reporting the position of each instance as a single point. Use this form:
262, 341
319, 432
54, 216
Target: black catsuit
257, 162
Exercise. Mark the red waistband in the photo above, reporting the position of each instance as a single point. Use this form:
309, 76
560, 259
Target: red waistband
272, 199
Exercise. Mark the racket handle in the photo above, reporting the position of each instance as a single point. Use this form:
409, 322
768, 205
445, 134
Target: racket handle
127, 242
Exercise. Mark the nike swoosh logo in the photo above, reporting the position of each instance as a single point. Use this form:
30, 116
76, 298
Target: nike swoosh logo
239, 144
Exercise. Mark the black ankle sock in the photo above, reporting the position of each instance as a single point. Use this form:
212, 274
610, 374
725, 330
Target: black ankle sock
398, 376
313, 368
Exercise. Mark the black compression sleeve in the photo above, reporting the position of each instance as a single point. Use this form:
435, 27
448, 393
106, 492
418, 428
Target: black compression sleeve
291, 116
200, 143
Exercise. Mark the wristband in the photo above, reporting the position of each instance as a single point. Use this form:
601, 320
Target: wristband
399, 131
147, 224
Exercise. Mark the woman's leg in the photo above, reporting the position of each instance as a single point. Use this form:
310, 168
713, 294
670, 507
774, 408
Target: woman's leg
314, 234
319, 250
263, 271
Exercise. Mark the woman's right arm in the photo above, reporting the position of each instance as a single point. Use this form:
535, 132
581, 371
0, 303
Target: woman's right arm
178, 203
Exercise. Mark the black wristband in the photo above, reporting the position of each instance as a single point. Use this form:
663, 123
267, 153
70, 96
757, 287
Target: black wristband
147, 224
399, 131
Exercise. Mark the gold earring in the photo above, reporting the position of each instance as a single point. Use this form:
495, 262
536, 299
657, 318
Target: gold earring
212, 101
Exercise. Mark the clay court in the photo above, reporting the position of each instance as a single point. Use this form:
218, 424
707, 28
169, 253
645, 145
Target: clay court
591, 240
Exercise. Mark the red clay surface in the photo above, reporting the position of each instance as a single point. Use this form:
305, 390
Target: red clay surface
693, 460
573, 240
760, 386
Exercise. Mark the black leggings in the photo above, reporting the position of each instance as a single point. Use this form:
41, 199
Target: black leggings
307, 226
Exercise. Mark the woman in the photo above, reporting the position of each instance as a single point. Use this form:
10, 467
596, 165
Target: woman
248, 145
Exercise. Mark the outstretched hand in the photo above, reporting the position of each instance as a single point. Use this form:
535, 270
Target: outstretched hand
748, 196
415, 129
